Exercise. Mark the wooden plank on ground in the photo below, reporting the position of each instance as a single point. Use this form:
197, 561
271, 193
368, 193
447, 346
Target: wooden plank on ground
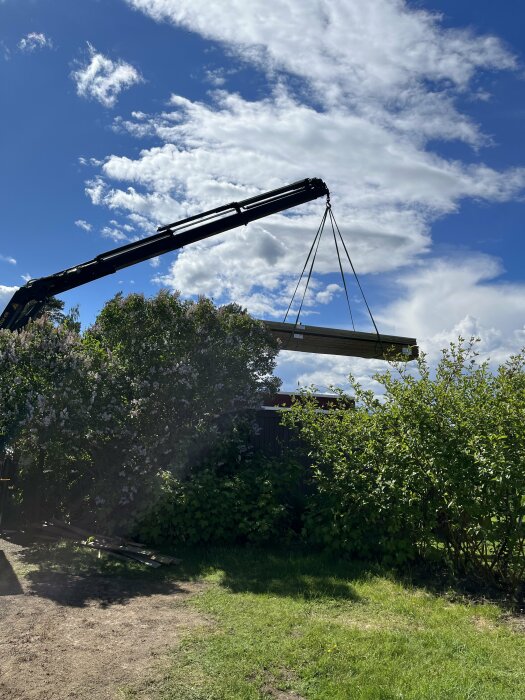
151, 553
129, 548
107, 552
122, 554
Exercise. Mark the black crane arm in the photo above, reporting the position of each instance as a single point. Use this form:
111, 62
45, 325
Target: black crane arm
29, 299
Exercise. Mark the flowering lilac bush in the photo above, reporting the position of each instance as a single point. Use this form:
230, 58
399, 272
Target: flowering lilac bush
47, 392
93, 421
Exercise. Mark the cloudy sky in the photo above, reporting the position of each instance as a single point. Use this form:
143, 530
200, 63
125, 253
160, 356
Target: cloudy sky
121, 115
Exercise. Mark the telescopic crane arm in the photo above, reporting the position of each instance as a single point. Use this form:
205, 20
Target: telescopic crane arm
29, 299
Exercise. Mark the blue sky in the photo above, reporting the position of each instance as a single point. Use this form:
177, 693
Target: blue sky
120, 115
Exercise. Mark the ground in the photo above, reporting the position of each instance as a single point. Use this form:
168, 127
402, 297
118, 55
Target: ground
67, 634
246, 623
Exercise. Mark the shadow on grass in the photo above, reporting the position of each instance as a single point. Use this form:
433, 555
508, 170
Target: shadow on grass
299, 573
73, 576
291, 573
436, 578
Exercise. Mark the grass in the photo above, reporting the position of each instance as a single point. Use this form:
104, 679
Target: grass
295, 625
302, 626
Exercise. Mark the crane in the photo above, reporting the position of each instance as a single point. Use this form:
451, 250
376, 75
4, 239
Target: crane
29, 299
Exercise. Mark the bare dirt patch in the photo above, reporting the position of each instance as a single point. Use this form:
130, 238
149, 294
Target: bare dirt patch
273, 688
483, 624
66, 635
516, 622
281, 694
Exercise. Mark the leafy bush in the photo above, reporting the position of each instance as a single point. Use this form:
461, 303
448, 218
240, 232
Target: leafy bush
435, 467
235, 496
47, 393
92, 421
186, 371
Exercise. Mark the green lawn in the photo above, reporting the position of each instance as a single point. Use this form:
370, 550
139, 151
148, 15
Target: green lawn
292, 626
303, 626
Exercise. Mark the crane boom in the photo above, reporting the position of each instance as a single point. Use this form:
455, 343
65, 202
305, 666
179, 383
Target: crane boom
29, 299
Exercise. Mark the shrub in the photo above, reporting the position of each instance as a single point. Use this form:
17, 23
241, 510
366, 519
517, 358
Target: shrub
186, 369
49, 414
233, 496
92, 421
436, 466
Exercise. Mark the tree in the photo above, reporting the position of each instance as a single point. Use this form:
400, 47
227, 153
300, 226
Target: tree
53, 310
95, 419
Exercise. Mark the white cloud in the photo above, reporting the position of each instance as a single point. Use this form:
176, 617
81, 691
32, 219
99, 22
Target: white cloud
299, 370
326, 295
5, 295
135, 128
440, 300
386, 190
26, 277
95, 162
375, 83
103, 79
462, 295
114, 233
346, 48
83, 224
8, 259
33, 41
216, 77
6, 51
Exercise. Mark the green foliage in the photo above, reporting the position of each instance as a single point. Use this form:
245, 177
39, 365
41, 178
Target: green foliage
232, 497
53, 311
92, 421
45, 406
186, 369
434, 468
129, 418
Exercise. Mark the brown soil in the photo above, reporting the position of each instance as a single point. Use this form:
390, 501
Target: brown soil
86, 635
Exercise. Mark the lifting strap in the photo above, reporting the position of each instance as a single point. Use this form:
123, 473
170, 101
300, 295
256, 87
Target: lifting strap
312, 253
332, 221
313, 248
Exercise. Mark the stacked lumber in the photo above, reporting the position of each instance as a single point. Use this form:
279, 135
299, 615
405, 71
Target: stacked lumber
110, 545
335, 341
